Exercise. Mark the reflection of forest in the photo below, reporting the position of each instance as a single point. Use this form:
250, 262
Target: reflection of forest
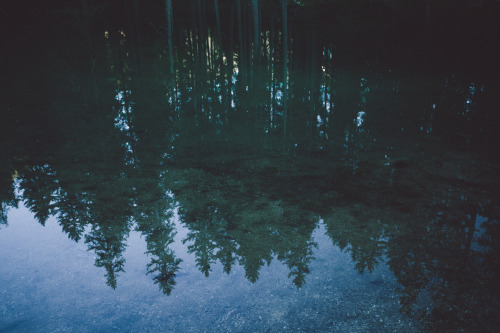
255, 132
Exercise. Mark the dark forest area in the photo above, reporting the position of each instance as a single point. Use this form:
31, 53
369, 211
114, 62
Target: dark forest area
444, 31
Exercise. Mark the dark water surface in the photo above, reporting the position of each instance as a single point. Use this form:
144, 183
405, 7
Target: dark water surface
249, 167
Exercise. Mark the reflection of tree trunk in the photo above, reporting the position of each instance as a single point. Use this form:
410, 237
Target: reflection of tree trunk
137, 34
170, 24
219, 35
256, 30
284, 12
134, 33
241, 51
201, 33
229, 72
204, 52
272, 47
313, 85
168, 7
195, 53
203, 45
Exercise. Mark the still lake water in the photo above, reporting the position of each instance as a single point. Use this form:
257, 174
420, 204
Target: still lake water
297, 185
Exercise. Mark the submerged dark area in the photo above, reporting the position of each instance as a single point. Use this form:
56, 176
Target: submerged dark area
340, 152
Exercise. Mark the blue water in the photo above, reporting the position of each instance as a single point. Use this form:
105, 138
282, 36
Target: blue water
49, 283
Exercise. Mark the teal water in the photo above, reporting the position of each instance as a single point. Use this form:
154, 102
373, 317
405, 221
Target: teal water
209, 181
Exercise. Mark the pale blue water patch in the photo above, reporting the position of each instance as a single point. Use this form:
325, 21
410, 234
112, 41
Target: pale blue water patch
49, 283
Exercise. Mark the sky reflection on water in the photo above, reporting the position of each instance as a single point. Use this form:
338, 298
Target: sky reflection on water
63, 290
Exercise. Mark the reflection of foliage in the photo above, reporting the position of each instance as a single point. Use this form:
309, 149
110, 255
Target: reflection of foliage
230, 228
163, 263
7, 188
428, 244
360, 232
108, 242
7, 197
411, 274
447, 267
203, 248
490, 243
73, 215
154, 221
465, 295
299, 255
3, 214
4, 207
38, 185
166, 266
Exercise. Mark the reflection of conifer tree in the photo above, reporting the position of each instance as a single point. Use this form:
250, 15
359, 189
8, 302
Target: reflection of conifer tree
153, 216
108, 242
228, 229
38, 185
152, 209
437, 257
253, 255
460, 275
202, 234
298, 263
298, 252
367, 256
3, 214
226, 253
209, 227
72, 214
160, 232
104, 201
256, 223
7, 196
409, 269
359, 234
164, 264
